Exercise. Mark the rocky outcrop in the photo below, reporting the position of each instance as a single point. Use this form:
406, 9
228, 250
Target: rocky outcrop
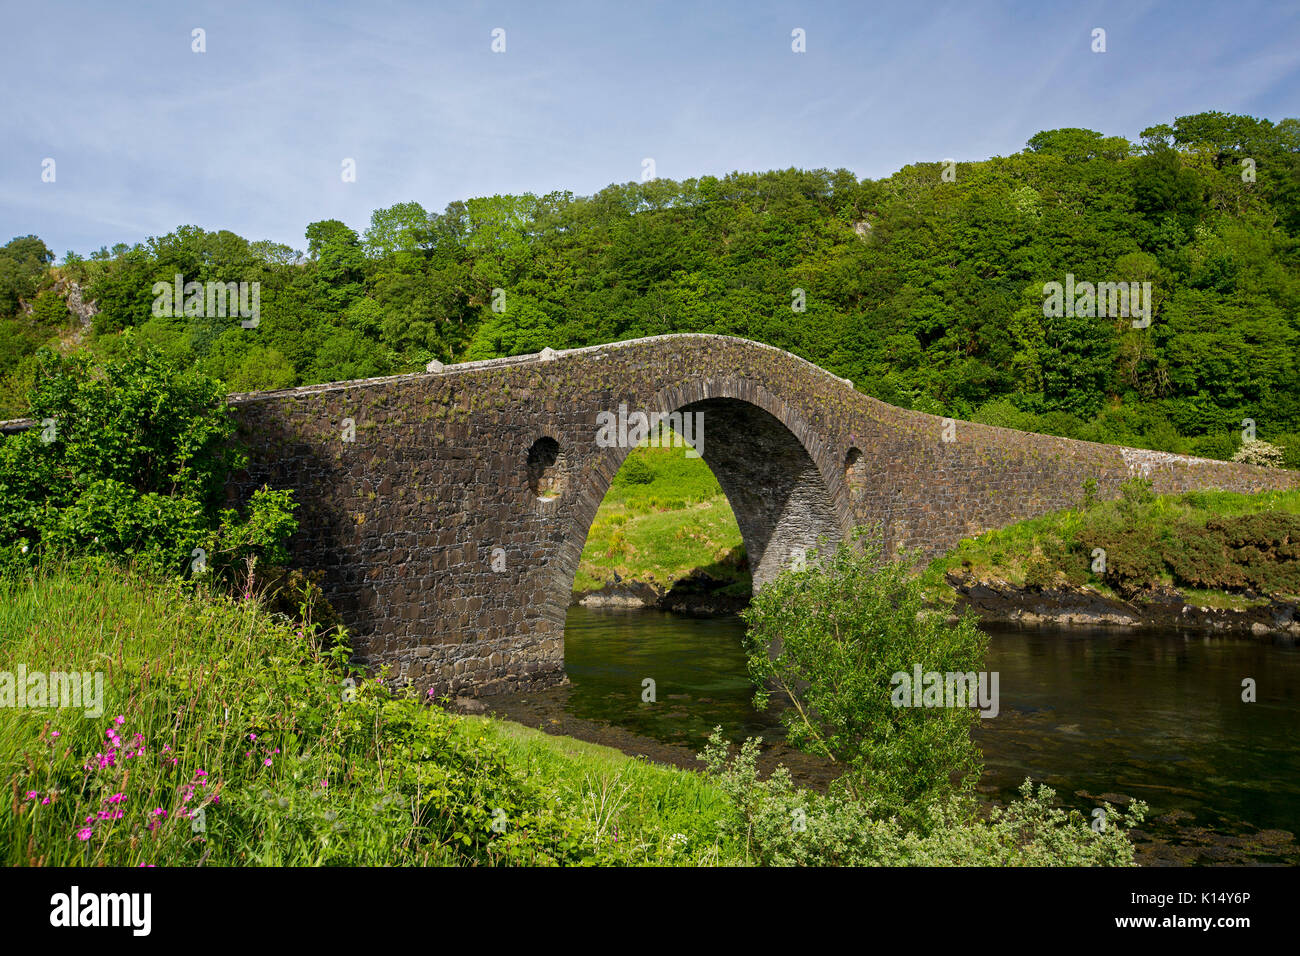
1001, 602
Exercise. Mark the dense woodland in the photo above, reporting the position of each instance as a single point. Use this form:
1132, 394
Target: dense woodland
924, 288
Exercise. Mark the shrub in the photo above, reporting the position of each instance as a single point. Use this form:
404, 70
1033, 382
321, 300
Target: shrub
130, 461
1261, 453
830, 638
778, 824
636, 471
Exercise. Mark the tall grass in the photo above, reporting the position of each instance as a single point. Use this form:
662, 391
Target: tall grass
228, 738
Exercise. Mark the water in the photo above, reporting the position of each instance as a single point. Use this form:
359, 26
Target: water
1095, 714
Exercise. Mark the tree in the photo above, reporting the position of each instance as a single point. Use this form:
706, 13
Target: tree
403, 227
340, 261
129, 461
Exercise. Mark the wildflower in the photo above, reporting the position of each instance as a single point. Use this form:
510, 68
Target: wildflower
55, 734
266, 762
31, 795
119, 720
252, 736
84, 833
45, 801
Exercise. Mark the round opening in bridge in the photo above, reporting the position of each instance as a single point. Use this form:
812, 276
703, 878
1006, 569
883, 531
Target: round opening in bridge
853, 465
546, 469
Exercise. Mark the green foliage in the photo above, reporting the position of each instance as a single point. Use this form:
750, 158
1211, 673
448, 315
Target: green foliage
635, 471
23, 262
129, 461
1205, 540
830, 639
214, 705
778, 824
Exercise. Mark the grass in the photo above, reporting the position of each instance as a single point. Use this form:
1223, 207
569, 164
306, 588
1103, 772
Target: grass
665, 515
228, 738
1058, 547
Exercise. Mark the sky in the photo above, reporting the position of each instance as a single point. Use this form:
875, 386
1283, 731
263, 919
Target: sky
252, 134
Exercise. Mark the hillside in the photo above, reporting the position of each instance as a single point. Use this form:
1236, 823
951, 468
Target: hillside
926, 288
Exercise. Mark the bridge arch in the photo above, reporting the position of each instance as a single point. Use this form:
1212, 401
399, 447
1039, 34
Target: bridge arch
780, 479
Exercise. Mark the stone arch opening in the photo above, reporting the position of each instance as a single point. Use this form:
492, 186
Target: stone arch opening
783, 502
665, 533
779, 496
546, 472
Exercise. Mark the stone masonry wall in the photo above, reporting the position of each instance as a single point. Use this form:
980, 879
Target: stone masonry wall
409, 519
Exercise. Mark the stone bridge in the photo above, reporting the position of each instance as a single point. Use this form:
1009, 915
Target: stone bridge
448, 509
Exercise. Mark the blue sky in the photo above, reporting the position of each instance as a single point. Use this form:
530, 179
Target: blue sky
250, 135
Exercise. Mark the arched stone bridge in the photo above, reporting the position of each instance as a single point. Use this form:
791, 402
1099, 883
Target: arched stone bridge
450, 525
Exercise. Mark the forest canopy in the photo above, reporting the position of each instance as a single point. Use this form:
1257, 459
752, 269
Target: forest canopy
925, 288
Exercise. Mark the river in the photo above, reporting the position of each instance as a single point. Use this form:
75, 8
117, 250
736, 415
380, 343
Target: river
1094, 713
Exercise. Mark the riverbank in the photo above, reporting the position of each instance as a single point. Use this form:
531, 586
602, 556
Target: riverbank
1203, 561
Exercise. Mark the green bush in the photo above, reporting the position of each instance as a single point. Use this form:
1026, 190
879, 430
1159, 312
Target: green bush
129, 461
777, 824
636, 471
830, 638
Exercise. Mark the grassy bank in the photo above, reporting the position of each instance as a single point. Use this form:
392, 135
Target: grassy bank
1222, 548
228, 738
226, 735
